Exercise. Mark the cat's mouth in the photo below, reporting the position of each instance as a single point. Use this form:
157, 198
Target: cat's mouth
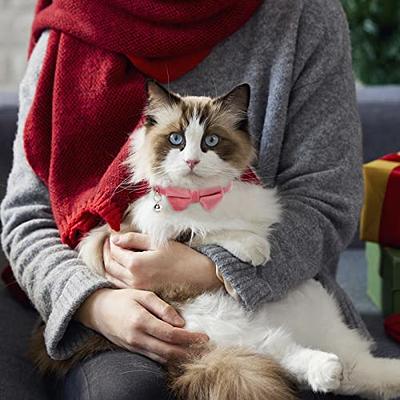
192, 174
192, 178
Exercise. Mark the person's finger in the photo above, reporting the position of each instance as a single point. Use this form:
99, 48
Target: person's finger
149, 354
152, 356
117, 271
126, 258
106, 251
116, 282
172, 335
164, 350
132, 240
160, 308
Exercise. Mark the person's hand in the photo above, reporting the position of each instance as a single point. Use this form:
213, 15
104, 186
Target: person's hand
139, 321
130, 262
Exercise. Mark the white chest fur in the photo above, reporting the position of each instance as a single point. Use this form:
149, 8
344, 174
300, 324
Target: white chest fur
248, 210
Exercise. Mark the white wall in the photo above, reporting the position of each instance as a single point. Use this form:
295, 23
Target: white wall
15, 24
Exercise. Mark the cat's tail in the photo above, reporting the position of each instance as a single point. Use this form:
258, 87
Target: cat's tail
231, 373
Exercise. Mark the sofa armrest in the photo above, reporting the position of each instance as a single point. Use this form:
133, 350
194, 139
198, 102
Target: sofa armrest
380, 117
8, 128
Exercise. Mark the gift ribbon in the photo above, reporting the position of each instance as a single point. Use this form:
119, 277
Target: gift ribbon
389, 227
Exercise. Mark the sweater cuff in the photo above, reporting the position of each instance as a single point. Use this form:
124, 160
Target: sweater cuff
244, 279
62, 334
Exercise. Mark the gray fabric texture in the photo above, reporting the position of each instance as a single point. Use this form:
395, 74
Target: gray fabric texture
51, 274
304, 120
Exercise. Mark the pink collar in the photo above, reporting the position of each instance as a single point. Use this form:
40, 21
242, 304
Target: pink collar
180, 198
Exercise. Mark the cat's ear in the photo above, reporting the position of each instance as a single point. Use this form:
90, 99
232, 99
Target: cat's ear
158, 94
237, 100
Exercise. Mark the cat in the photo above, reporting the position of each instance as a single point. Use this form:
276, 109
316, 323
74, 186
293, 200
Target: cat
201, 148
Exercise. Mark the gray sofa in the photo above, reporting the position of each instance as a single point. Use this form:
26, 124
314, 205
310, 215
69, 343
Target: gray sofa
380, 113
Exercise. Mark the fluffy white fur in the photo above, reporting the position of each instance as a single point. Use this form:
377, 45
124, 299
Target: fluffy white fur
305, 331
241, 230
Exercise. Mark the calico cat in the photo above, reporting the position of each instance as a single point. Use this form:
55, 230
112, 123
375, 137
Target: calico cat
194, 153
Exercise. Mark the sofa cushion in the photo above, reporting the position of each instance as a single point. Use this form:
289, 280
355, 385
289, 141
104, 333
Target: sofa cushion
380, 117
8, 126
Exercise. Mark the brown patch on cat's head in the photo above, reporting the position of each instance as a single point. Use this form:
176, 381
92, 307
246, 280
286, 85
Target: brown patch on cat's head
225, 116
158, 98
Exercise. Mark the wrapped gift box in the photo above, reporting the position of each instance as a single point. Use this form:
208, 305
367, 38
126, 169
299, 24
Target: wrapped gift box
380, 217
384, 277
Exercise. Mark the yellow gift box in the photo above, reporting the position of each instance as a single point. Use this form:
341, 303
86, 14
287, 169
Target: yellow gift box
380, 217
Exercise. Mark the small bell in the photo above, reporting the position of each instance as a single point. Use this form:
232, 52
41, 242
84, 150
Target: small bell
157, 199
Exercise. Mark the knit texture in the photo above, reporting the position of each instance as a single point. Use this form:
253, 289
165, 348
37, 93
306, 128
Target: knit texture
304, 120
91, 93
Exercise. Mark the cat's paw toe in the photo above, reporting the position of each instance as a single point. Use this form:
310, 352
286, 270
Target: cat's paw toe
325, 373
256, 250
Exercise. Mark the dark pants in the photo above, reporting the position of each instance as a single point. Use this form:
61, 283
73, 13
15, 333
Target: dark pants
115, 376
125, 376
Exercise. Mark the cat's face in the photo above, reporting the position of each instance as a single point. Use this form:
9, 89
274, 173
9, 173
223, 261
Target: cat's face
195, 141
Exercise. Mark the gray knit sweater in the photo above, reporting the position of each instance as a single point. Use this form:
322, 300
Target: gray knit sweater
303, 116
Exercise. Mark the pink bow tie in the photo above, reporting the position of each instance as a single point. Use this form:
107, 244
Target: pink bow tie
180, 198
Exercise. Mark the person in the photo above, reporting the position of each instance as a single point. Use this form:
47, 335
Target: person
303, 116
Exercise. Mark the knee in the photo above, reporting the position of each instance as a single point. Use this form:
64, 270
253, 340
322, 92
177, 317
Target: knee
144, 386
87, 383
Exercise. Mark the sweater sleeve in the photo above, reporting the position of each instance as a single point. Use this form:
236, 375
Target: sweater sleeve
52, 275
319, 175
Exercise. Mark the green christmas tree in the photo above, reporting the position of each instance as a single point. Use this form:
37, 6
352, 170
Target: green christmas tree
375, 34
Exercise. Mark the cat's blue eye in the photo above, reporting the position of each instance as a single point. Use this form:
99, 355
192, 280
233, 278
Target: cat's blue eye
211, 140
176, 139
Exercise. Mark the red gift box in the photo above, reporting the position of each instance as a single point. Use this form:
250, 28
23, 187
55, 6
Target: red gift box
380, 218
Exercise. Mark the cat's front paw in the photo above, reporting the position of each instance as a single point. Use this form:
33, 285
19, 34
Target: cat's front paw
251, 248
325, 373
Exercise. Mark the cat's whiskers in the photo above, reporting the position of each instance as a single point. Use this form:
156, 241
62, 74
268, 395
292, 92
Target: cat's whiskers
129, 186
124, 185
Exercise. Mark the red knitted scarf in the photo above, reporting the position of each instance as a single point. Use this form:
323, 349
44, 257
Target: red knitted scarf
90, 94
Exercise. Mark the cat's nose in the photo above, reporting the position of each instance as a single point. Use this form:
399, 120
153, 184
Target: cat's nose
192, 163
